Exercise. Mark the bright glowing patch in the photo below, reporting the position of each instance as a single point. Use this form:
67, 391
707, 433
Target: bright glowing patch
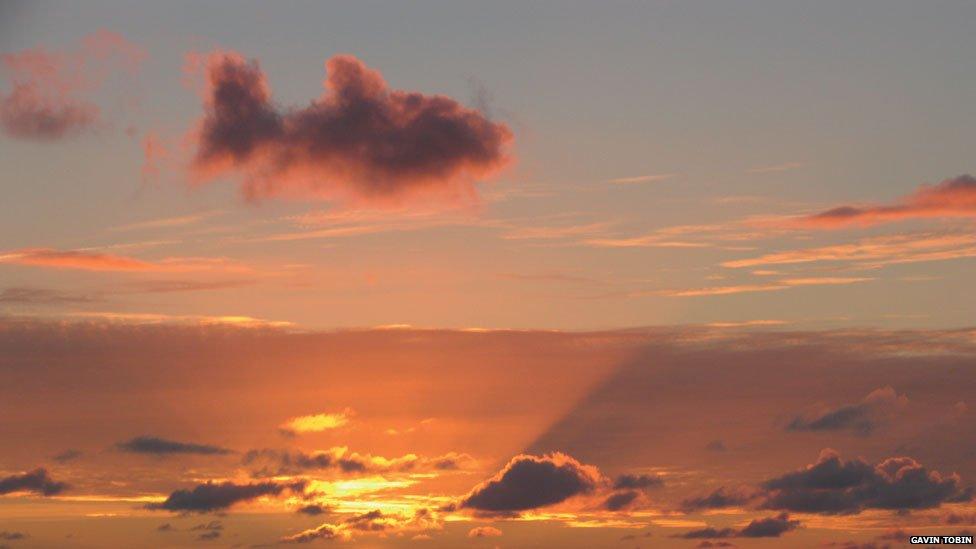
318, 422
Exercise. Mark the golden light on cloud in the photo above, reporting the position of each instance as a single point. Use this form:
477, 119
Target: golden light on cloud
316, 423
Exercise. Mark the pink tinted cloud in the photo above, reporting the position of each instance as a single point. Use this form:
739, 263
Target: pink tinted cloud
49, 92
360, 140
88, 260
955, 197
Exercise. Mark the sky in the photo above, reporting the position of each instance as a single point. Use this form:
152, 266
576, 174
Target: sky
549, 274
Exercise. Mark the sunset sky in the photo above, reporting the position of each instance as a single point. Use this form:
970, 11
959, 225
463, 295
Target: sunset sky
508, 274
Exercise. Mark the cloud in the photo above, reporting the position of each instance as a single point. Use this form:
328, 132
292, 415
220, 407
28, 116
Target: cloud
954, 197
89, 260
776, 168
621, 500
874, 251
836, 486
208, 536
312, 509
719, 498
48, 99
360, 140
484, 532
372, 522
37, 481
317, 423
767, 527
637, 482
269, 462
784, 284
162, 447
212, 526
651, 178
40, 296
530, 482
12, 536
861, 418
213, 496
67, 455
73, 259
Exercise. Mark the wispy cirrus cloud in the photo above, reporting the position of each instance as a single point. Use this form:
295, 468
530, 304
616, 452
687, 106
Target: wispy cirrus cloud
776, 168
649, 178
874, 251
954, 197
94, 260
783, 284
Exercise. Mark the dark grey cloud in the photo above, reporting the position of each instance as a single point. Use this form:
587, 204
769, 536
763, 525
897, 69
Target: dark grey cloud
767, 527
862, 418
162, 447
715, 446
212, 526
836, 486
212, 496
720, 498
313, 509
37, 481
360, 138
637, 482
40, 296
708, 533
530, 482
620, 500
12, 536
208, 536
268, 462
67, 455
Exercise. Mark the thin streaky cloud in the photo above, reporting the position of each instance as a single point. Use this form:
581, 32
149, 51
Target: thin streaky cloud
875, 251
650, 178
776, 168
772, 287
168, 222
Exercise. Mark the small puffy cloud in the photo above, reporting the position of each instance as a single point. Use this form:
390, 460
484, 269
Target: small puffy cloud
833, 485
49, 99
484, 532
12, 536
621, 500
861, 418
529, 482
954, 197
359, 140
313, 509
162, 447
769, 527
316, 423
214, 496
37, 481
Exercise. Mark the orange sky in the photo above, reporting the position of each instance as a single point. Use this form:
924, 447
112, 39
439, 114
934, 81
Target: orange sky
539, 275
